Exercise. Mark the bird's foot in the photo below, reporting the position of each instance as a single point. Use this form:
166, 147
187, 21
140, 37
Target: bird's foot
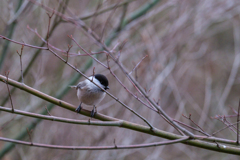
78, 109
93, 112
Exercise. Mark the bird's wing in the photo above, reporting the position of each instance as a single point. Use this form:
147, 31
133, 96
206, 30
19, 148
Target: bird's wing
81, 85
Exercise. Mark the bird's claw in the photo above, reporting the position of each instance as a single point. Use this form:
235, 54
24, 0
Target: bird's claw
78, 109
93, 112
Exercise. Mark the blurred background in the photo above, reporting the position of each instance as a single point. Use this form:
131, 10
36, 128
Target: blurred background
192, 67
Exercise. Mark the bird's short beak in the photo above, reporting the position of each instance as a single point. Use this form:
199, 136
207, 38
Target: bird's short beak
106, 88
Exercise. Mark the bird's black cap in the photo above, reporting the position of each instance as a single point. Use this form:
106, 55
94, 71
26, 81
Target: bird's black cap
103, 80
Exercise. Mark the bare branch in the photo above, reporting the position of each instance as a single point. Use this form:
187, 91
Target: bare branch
9, 93
48, 111
144, 119
20, 56
28, 45
137, 64
194, 122
230, 125
64, 120
198, 130
69, 47
94, 147
49, 22
30, 136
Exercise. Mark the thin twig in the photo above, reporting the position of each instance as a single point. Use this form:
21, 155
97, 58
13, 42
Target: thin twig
115, 46
30, 137
49, 22
48, 111
71, 37
230, 125
69, 47
79, 54
137, 64
9, 93
233, 109
120, 49
237, 123
20, 55
226, 122
193, 121
226, 116
177, 129
32, 46
196, 129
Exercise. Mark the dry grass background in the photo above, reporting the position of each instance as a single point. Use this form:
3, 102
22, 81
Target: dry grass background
192, 49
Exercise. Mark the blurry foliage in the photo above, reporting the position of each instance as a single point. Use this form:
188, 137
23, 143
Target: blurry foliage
200, 34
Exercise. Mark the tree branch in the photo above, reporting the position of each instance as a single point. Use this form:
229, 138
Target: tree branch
94, 147
130, 125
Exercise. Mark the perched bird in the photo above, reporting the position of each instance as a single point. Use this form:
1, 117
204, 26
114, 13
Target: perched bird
90, 94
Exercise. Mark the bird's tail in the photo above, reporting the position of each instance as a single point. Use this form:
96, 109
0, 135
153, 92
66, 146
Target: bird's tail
73, 87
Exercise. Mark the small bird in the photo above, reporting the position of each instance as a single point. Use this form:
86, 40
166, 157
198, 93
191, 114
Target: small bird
90, 94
